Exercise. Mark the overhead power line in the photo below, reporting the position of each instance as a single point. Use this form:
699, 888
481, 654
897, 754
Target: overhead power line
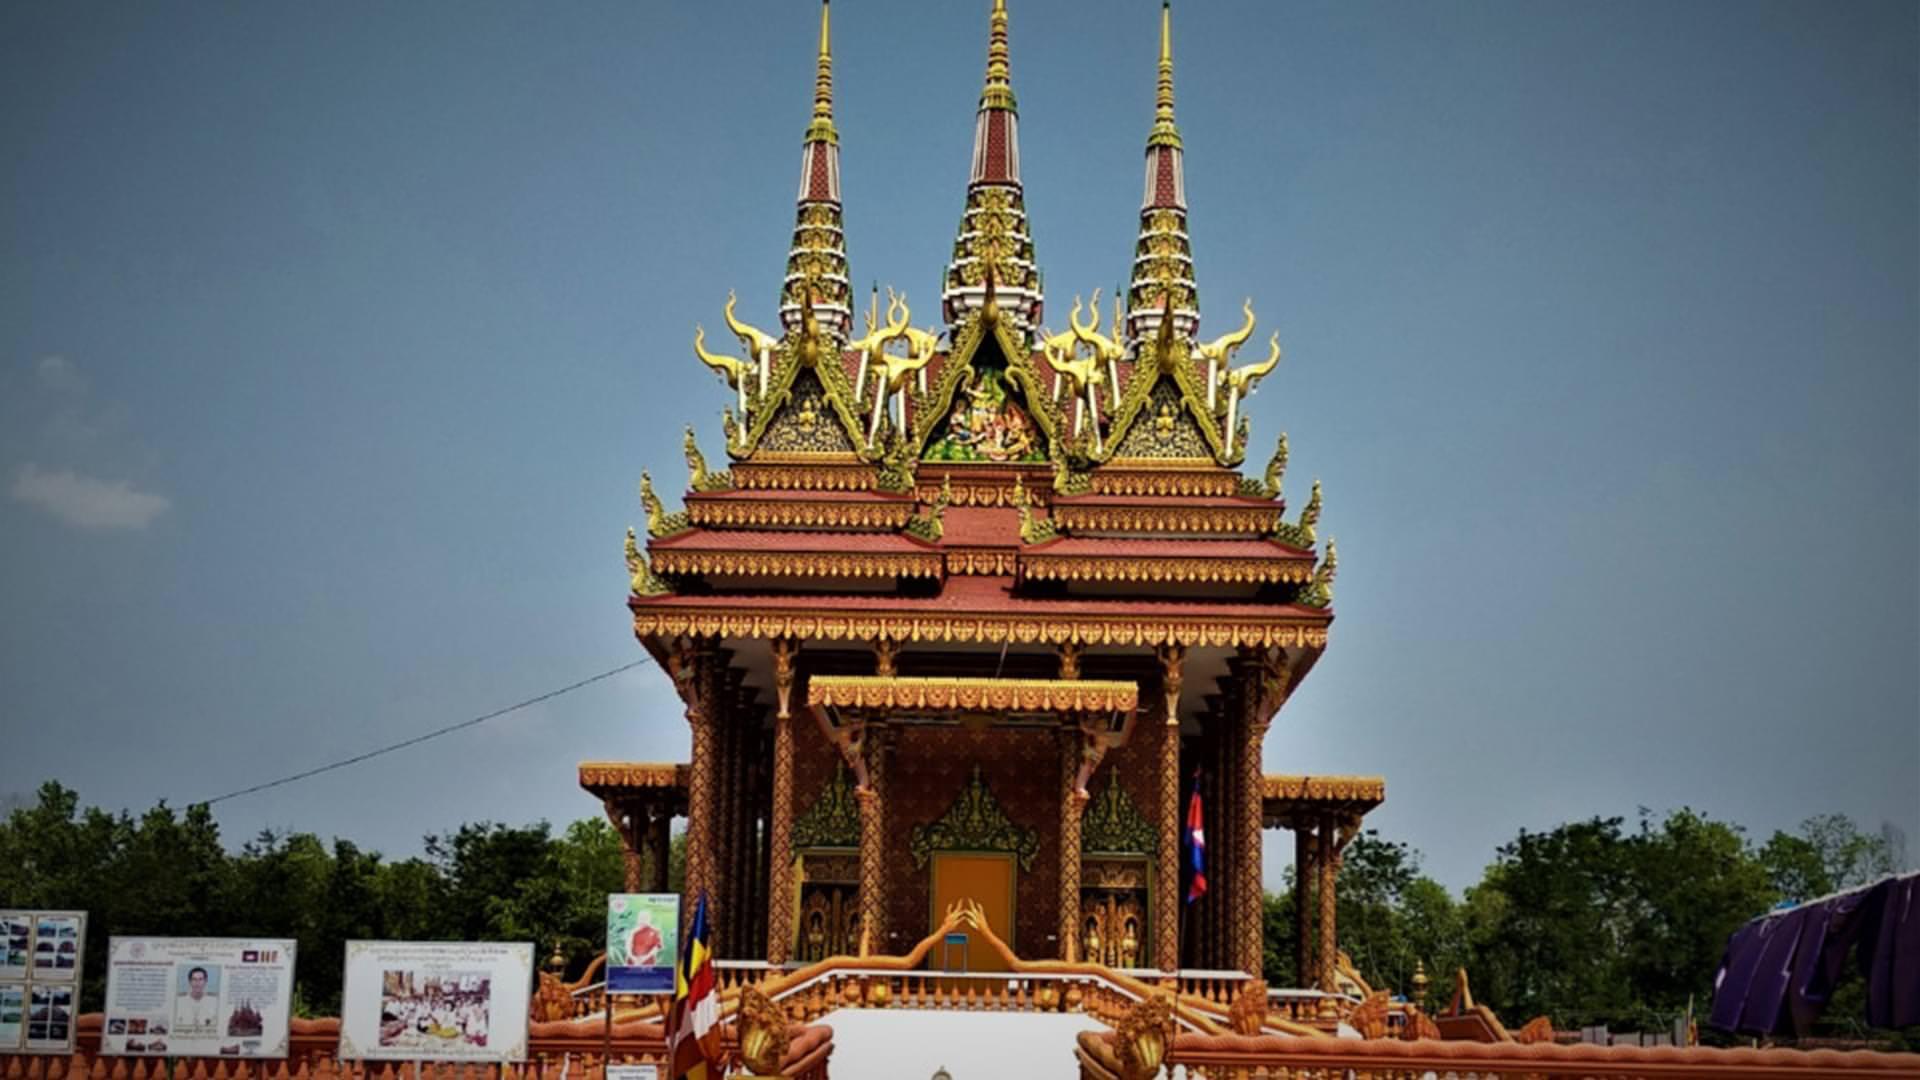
418, 739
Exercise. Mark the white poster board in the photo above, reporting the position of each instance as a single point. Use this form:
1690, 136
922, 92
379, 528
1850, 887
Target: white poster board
436, 1001
41, 954
198, 997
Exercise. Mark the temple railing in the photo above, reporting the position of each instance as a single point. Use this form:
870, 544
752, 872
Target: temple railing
1234, 1057
562, 1050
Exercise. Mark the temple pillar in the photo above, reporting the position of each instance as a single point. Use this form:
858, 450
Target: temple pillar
659, 844
873, 837
1303, 974
626, 829
1329, 862
696, 669
780, 900
1166, 889
1073, 804
1248, 888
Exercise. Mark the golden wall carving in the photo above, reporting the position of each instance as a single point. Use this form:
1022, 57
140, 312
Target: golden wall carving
1212, 520
658, 619
1044, 567
987, 695
800, 514
823, 564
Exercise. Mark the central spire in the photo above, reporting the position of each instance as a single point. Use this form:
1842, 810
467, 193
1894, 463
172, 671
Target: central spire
817, 262
1162, 257
994, 241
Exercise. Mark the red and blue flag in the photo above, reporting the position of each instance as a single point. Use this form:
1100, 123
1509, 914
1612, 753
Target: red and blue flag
1196, 849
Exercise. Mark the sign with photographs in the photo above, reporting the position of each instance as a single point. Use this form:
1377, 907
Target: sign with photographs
41, 954
643, 938
198, 997
436, 1001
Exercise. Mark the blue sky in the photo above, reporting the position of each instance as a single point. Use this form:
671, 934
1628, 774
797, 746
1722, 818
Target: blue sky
333, 340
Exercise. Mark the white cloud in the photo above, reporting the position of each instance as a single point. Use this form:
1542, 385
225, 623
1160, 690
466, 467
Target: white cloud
59, 374
84, 501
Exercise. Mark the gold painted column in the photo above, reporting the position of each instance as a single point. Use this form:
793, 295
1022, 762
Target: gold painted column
1073, 805
1248, 887
873, 884
1166, 932
627, 829
780, 900
1329, 870
697, 671
1303, 974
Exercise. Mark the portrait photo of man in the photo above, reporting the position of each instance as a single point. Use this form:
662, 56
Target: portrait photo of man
196, 1010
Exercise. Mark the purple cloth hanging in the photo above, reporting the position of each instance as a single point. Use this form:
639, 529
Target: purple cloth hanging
1779, 970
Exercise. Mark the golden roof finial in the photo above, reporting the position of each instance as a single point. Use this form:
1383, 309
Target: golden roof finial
821, 129
1165, 132
999, 89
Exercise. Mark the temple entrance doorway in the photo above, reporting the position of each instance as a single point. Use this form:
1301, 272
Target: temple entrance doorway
986, 879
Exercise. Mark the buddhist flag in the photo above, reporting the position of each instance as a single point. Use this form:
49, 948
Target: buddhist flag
1196, 849
693, 1021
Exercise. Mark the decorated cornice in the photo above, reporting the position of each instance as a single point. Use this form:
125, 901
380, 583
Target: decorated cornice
850, 514
1076, 518
978, 485
982, 562
776, 471
1113, 825
802, 564
1042, 566
833, 819
602, 777
971, 695
1323, 788
662, 618
1165, 476
1307, 801
975, 822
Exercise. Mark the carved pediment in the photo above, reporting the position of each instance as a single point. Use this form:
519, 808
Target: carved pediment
833, 821
975, 822
1114, 824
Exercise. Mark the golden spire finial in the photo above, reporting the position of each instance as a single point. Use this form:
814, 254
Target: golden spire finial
1164, 129
821, 129
999, 89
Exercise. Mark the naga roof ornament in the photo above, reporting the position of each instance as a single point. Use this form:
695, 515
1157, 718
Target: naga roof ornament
993, 235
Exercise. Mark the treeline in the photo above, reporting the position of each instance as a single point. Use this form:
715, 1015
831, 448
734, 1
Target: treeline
1592, 922
167, 873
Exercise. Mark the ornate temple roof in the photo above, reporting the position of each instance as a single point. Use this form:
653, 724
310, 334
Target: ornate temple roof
998, 481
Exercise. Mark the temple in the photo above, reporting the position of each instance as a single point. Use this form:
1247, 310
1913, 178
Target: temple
973, 610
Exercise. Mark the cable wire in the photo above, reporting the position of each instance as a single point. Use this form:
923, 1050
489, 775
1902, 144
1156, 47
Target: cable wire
418, 739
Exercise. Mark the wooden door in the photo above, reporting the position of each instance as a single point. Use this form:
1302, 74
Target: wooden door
987, 880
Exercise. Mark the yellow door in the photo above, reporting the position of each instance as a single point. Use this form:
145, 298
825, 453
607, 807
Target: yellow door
986, 880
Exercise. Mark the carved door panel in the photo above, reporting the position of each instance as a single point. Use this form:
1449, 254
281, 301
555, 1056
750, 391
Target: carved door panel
985, 879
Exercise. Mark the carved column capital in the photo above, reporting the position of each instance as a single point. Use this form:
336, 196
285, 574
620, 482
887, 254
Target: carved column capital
1172, 660
785, 650
885, 652
1070, 659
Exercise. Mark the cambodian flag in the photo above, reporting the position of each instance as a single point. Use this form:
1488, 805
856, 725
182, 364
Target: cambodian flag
1196, 849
